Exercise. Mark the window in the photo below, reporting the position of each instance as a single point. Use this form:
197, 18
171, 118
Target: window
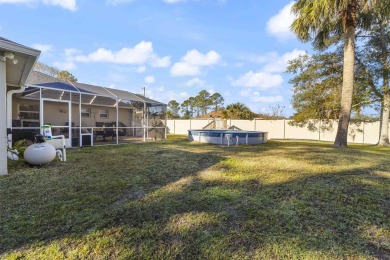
29, 112
86, 112
103, 113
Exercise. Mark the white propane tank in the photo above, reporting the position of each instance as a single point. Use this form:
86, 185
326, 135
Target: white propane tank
40, 153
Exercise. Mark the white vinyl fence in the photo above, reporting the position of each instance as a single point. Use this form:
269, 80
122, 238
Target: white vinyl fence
364, 132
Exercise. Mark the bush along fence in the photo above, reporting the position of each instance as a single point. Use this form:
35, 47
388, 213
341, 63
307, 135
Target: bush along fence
362, 132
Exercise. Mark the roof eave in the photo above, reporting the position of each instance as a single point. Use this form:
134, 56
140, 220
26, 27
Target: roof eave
32, 57
15, 47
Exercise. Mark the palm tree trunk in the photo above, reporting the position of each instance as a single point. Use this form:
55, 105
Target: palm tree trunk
384, 131
347, 89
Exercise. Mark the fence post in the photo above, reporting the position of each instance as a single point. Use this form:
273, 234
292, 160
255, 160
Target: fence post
319, 130
174, 126
284, 128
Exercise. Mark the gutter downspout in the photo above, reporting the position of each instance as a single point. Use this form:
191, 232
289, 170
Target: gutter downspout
9, 109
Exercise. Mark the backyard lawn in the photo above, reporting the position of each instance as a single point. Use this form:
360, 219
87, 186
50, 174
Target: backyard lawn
176, 199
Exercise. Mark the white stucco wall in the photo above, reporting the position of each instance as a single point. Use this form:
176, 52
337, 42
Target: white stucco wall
367, 133
3, 117
57, 113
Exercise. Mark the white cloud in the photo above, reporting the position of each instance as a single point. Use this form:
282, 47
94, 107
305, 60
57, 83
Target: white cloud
184, 69
141, 69
197, 58
280, 63
117, 2
260, 80
69, 52
150, 80
267, 99
44, 48
195, 82
68, 64
163, 95
245, 93
140, 54
173, 1
64, 65
274, 62
193, 61
256, 97
279, 25
66, 4
160, 62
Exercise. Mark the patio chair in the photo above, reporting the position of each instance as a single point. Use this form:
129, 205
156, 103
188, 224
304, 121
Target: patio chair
99, 132
16, 123
122, 131
65, 130
111, 130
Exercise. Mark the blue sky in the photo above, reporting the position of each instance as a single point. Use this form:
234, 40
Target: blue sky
175, 48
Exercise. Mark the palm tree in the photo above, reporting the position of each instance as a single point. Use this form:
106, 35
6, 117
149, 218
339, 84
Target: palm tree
325, 22
238, 111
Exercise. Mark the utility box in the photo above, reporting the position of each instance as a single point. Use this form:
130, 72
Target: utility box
86, 139
47, 131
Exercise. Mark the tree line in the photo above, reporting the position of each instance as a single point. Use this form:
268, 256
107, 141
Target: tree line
195, 106
54, 72
204, 102
351, 67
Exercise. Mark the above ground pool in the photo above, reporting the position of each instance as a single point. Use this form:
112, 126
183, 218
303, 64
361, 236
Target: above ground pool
227, 137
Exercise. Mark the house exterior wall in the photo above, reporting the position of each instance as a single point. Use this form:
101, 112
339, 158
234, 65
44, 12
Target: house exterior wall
3, 118
57, 113
124, 115
15, 106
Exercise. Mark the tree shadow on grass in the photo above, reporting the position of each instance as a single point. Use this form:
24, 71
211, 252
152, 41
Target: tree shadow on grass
163, 202
333, 217
38, 205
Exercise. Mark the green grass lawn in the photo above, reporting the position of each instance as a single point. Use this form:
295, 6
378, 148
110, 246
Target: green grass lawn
176, 199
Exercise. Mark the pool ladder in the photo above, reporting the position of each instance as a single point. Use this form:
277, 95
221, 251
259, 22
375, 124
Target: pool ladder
230, 136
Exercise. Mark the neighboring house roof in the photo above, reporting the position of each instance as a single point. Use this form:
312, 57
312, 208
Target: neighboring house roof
218, 114
212, 114
24, 57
